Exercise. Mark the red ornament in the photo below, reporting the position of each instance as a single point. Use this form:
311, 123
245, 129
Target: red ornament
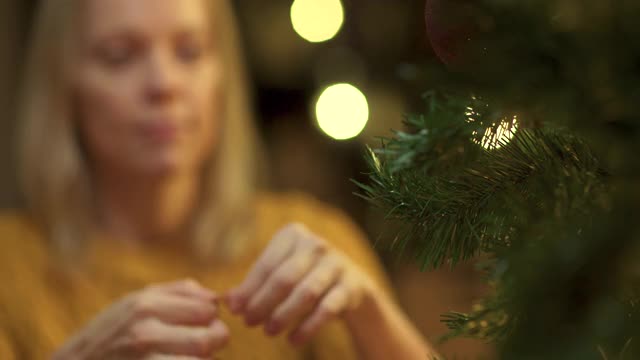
450, 26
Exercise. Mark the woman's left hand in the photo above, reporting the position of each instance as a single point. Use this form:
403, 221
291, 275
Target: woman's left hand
299, 281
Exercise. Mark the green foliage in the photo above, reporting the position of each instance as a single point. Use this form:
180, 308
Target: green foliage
554, 206
459, 198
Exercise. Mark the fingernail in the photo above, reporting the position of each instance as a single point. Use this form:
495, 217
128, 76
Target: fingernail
236, 306
252, 320
232, 302
233, 305
295, 338
272, 328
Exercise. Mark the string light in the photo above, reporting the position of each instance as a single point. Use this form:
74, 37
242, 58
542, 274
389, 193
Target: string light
495, 136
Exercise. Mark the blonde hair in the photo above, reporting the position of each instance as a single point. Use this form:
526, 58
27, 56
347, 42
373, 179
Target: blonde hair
54, 174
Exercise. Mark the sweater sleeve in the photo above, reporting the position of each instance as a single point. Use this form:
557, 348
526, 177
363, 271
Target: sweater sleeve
6, 347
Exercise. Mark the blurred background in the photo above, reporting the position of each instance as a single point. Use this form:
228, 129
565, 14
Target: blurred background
328, 77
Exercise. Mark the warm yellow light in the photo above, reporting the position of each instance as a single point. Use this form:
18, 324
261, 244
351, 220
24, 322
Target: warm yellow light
317, 20
342, 111
495, 137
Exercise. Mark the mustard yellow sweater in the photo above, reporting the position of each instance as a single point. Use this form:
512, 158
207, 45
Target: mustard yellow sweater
41, 306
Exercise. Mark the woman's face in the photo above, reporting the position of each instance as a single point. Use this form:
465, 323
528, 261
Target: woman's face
148, 85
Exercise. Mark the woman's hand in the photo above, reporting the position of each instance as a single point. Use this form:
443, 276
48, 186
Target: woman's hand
299, 281
168, 321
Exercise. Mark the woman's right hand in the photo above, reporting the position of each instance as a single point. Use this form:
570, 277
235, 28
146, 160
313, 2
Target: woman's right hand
167, 321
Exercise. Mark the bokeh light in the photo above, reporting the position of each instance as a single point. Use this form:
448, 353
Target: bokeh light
342, 111
317, 20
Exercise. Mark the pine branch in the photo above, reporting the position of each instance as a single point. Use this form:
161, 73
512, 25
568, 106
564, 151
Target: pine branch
479, 198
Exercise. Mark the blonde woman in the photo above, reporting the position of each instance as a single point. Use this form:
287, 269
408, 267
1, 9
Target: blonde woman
144, 236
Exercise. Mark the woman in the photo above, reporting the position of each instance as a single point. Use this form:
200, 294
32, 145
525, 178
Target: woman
144, 237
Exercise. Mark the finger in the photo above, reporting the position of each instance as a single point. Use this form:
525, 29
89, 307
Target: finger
334, 303
187, 287
155, 336
173, 309
278, 249
174, 357
305, 296
280, 284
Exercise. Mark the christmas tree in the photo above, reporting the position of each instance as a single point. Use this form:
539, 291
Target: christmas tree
526, 157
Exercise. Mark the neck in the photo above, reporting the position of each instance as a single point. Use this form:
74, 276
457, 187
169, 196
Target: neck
146, 209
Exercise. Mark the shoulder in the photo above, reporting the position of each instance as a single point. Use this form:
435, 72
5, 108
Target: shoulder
23, 254
20, 238
30, 302
16, 223
12, 219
